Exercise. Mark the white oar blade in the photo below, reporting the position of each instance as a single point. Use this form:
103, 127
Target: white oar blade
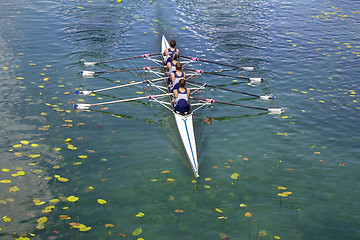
88, 64
87, 73
249, 68
267, 97
276, 110
256, 80
84, 92
81, 106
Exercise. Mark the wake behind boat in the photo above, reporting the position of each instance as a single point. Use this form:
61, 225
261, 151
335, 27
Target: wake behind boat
184, 120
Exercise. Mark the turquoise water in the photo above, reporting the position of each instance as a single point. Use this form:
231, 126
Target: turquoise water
125, 162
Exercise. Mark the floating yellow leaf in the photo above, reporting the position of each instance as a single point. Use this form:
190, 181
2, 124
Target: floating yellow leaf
40, 226
64, 217
25, 142
243, 205
218, 210
101, 201
84, 228
68, 140
82, 156
36, 200
262, 233
165, 171
207, 186
72, 199
62, 179
277, 237
282, 188
57, 149
6, 219
179, 211
34, 155
17, 145
55, 200
34, 145
48, 209
235, 176
222, 217
20, 173
5, 181
5, 170
140, 214
71, 147
207, 179
42, 220
170, 180
137, 231
248, 214
108, 225
14, 189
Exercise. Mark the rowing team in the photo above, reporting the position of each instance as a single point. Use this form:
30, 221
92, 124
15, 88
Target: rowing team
176, 78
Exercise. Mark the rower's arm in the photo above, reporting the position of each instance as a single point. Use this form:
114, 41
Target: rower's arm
165, 52
188, 93
175, 92
172, 77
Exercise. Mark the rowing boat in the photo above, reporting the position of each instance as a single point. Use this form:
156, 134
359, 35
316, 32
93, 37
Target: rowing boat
184, 123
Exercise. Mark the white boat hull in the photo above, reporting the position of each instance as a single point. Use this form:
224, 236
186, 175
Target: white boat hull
184, 124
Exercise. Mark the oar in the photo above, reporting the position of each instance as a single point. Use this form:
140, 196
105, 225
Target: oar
116, 60
222, 64
265, 97
91, 73
85, 92
270, 110
83, 106
224, 75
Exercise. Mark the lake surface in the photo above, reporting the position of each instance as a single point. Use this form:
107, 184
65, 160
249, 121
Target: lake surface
119, 170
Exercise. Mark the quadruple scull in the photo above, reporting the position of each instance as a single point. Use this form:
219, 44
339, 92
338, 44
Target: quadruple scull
184, 120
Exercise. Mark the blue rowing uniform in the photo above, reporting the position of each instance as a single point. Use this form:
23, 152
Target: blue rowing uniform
182, 100
168, 58
175, 84
172, 69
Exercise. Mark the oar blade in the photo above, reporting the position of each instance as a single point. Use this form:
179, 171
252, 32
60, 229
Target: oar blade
267, 97
87, 73
256, 80
89, 64
248, 68
84, 92
276, 110
81, 106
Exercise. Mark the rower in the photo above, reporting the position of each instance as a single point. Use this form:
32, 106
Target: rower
170, 50
176, 76
171, 64
182, 96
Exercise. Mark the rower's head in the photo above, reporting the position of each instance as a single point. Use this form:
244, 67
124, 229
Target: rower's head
174, 56
178, 66
182, 83
172, 43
